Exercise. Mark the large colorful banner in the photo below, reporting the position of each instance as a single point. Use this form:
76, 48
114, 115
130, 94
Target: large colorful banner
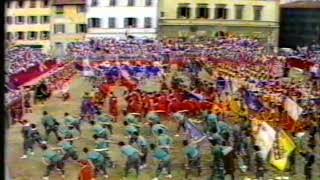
292, 108
265, 138
282, 148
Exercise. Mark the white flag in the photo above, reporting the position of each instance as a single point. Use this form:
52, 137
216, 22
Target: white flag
265, 138
293, 109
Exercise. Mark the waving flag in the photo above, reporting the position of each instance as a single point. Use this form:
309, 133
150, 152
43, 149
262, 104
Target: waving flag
293, 109
253, 101
193, 131
265, 138
282, 148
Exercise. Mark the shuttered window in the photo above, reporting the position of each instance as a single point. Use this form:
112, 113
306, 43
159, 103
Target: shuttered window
257, 10
20, 35
147, 22
81, 28
44, 35
221, 12
239, 12
113, 2
130, 22
112, 22
202, 11
32, 35
19, 20
59, 28
183, 11
32, 20
94, 22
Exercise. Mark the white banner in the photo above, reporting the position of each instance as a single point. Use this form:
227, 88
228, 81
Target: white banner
293, 109
265, 138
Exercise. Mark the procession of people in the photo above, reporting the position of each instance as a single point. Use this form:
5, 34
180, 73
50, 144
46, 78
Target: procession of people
210, 100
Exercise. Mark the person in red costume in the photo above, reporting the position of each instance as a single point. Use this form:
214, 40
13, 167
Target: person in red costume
145, 104
163, 103
173, 106
86, 172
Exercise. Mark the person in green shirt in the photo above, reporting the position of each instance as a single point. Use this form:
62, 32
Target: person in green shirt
218, 166
68, 134
131, 118
193, 155
181, 119
53, 159
133, 158
101, 131
97, 161
68, 149
164, 140
157, 127
211, 121
143, 147
153, 118
106, 119
130, 130
163, 156
50, 124
72, 121
102, 146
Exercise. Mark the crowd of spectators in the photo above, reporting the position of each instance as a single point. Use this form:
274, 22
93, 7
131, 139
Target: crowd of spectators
20, 59
227, 48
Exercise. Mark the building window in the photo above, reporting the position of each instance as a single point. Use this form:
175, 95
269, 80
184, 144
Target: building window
59, 9
130, 22
19, 19
8, 35
239, 11
20, 4
32, 20
113, 2
112, 22
20, 35
59, 28
32, 35
33, 4
9, 4
148, 2
147, 22
45, 19
221, 12
81, 9
44, 35
183, 11
162, 14
9, 19
94, 22
81, 28
94, 3
45, 4
257, 13
202, 11
131, 2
